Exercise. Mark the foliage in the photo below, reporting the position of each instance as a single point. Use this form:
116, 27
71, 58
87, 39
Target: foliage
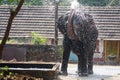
114, 3
60, 51
36, 39
65, 2
9, 2
11, 41
40, 2
3, 72
28, 2
34, 2
7, 75
93, 2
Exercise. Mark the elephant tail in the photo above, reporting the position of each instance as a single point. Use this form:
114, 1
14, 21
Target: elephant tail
70, 29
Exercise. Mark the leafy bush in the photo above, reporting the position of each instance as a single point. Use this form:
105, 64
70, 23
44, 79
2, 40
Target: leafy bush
36, 39
0, 41
11, 41
3, 73
60, 51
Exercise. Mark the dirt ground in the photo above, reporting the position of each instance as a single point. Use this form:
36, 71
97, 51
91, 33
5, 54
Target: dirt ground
101, 72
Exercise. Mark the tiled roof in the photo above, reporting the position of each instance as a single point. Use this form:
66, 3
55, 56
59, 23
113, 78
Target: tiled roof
40, 19
107, 20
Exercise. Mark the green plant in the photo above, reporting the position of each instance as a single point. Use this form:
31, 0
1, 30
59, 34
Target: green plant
0, 41
36, 39
60, 51
5, 74
11, 41
2, 71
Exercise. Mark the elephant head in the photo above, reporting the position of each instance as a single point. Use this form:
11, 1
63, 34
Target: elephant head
62, 23
79, 25
75, 24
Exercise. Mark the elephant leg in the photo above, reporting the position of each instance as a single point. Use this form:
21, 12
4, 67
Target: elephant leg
90, 63
90, 57
84, 68
64, 64
82, 65
79, 64
65, 57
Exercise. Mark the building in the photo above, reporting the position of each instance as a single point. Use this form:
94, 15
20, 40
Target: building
41, 19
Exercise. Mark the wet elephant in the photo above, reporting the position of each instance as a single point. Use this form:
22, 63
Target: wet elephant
80, 35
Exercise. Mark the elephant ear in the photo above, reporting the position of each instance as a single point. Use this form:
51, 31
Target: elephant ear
61, 25
70, 29
90, 22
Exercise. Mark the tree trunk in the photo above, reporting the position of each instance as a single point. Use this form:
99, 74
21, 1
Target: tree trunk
13, 14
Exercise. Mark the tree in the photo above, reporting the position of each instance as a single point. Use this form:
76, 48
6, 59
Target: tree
93, 2
29, 2
114, 3
13, 13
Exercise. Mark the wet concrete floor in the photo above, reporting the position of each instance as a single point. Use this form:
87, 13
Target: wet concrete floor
101, 72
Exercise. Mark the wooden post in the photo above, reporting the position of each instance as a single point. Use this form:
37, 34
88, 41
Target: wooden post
105, 50
118, 52
56, 18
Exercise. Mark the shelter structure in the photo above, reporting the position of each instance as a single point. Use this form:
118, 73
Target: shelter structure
41, 20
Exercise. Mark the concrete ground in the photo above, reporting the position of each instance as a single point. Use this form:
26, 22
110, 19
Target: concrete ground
101, 72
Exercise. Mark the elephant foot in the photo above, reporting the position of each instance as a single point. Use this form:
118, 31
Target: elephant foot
78, 71
83, 74
63, 73
90, 71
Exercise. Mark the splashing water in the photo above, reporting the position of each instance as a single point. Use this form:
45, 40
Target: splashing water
78, 7
75, 4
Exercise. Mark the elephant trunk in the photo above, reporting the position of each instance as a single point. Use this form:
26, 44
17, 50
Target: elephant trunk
70, 29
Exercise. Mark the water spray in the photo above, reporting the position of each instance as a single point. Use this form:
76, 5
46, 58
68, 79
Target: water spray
75, 4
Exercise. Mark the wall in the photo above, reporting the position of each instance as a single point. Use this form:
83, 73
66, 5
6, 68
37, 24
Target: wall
48, 53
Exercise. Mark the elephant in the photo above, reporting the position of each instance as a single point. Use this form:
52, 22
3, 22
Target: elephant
79, 35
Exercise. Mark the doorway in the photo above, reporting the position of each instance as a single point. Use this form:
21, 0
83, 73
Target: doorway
112, 49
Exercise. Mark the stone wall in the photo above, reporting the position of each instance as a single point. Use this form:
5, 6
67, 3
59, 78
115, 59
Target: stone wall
49, 53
